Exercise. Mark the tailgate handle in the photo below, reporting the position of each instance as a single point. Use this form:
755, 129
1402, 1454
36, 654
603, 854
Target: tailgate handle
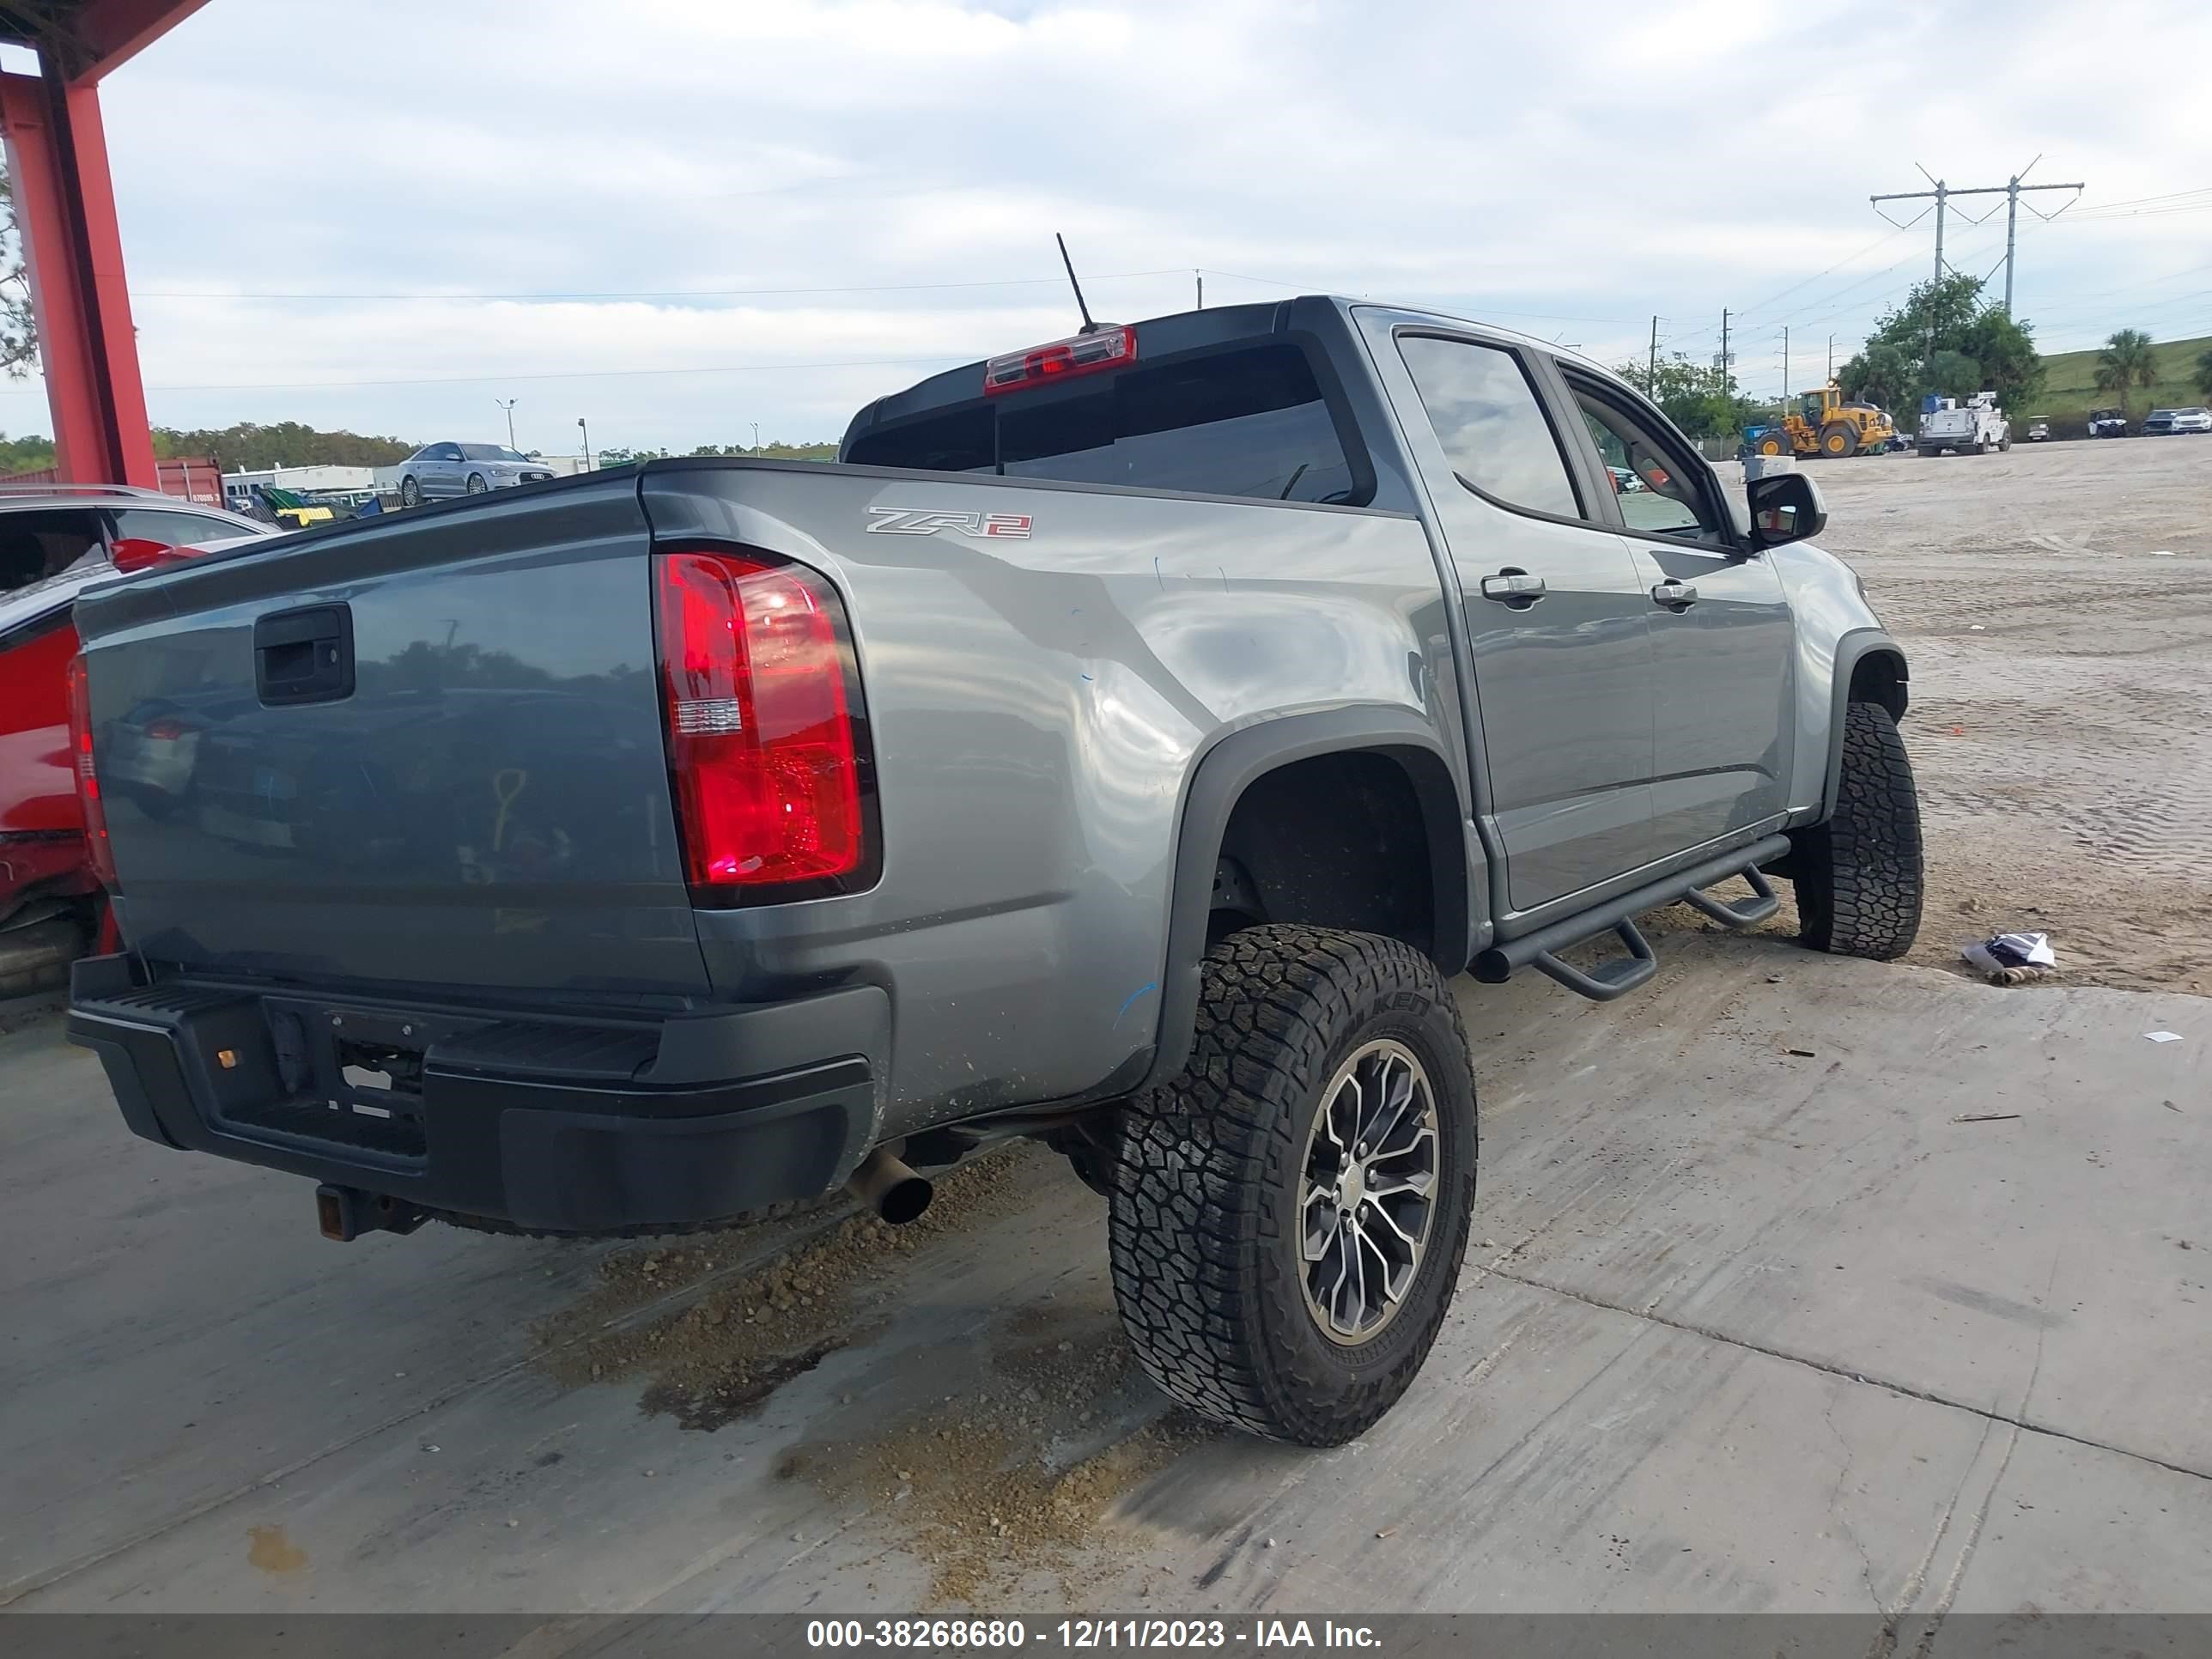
304, 655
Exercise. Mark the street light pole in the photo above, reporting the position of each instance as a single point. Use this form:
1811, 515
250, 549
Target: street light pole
507, 404
756, 426
586, 431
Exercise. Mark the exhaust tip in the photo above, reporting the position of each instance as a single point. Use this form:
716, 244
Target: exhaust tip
905, 1200
890, 1188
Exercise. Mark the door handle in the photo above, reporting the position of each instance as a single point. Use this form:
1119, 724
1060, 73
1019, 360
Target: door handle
1674, 594
1512, 587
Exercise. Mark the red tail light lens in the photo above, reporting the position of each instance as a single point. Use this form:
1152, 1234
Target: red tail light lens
87, 779
761, 744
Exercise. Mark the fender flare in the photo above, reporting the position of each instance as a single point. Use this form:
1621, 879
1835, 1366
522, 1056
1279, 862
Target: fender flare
1218, 780
1852, 650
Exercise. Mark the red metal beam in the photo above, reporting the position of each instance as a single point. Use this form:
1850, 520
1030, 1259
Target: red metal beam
73, 248
110, 32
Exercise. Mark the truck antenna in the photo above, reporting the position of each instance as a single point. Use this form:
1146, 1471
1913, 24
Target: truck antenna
1089, 327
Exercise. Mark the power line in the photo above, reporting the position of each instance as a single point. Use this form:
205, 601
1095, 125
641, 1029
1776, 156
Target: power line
666, 294
563, 374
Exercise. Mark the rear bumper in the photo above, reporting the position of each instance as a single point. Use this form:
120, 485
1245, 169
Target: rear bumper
562, 1124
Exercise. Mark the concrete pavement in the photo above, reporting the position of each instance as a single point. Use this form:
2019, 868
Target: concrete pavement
1758, 1325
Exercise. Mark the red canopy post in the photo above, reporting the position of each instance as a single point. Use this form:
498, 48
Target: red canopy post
87, 346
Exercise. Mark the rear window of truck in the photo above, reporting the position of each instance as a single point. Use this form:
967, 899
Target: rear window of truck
1251, 423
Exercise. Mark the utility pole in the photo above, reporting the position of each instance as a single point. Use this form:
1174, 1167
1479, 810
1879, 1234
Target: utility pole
1651, 370
2012, 190
1725, 350
1831, 356
507, 404
1785, 365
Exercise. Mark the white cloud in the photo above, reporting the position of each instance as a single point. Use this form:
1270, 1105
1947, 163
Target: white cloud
1565, 173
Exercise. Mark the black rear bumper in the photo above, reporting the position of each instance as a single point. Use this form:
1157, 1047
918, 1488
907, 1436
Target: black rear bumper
562, 1123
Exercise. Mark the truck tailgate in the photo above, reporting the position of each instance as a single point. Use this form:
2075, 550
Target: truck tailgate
426, 750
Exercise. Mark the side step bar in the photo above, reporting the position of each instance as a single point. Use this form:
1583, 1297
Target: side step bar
1618, 916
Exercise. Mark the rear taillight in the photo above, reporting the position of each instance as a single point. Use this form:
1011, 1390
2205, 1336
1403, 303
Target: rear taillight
762, 746
87, 779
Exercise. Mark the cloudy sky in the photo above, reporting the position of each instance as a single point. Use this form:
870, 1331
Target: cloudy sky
682, 217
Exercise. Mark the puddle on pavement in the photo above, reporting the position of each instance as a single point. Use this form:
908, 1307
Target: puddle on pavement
1007, 1472
723, 1356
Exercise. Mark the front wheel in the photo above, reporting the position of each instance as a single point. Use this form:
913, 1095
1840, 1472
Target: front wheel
1290, 1213
2004, 445
1837, 441
410, 493
1859, 877
476, 485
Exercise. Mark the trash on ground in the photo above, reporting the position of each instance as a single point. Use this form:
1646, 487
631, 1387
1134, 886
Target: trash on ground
2012, 959
1986, 1117
2163, 1036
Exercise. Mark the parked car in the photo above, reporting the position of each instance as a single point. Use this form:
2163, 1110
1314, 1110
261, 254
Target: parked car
57, 540
2038, 431
1122, 748
2108, 423
452, 469
2167, 423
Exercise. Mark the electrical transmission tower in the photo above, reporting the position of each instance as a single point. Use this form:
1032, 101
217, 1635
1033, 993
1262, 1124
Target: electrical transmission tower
2012, 190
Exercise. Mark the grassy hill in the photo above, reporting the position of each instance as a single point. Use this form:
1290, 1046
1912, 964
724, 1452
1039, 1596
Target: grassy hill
2069, 388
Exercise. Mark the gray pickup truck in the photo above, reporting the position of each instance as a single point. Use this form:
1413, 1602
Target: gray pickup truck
1123, 746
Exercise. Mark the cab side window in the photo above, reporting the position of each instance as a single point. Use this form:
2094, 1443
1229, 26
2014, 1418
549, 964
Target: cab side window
1660, 492
1493, 430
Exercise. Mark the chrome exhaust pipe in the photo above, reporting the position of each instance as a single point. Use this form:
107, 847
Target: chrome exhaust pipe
890, 1188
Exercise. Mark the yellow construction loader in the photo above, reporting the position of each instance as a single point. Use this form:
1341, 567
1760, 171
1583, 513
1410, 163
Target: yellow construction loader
1824, 424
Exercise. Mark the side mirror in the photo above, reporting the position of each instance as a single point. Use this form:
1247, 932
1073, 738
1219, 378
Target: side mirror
1785, 506
132, 554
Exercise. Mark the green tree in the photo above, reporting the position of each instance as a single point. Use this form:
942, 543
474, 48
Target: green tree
2204, 375
1945, 340
1951, 375
2126, 361
287, 443
1881, 374
1699, 398
19, 327
30, 454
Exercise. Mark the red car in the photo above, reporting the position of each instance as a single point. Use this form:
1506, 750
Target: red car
55, 541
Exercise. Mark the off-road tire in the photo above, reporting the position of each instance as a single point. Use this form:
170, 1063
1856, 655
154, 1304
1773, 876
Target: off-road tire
1205, 1244
1838, 441
2004, 445
1859, 876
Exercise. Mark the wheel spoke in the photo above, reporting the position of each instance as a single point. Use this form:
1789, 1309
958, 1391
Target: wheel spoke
1318, 1230
1397, 1093
1375, 1211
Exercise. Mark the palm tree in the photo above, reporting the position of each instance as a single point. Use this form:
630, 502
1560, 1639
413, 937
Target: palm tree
2204, 373
2126, 359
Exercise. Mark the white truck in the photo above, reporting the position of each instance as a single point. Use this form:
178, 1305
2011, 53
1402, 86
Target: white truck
1966, 429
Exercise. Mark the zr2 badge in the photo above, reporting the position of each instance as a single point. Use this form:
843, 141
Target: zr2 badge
906, 521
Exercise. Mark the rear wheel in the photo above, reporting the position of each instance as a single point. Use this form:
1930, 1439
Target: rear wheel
1290, 1213
1839, 439
1859, 877
1772, 445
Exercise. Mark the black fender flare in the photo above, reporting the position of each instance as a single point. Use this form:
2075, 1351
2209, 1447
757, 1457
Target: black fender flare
1218, 780
1853, 649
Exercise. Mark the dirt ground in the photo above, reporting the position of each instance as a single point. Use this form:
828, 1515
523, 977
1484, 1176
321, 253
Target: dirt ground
2057, 605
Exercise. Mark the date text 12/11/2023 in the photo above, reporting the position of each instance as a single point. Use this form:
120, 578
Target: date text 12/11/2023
984, 1635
